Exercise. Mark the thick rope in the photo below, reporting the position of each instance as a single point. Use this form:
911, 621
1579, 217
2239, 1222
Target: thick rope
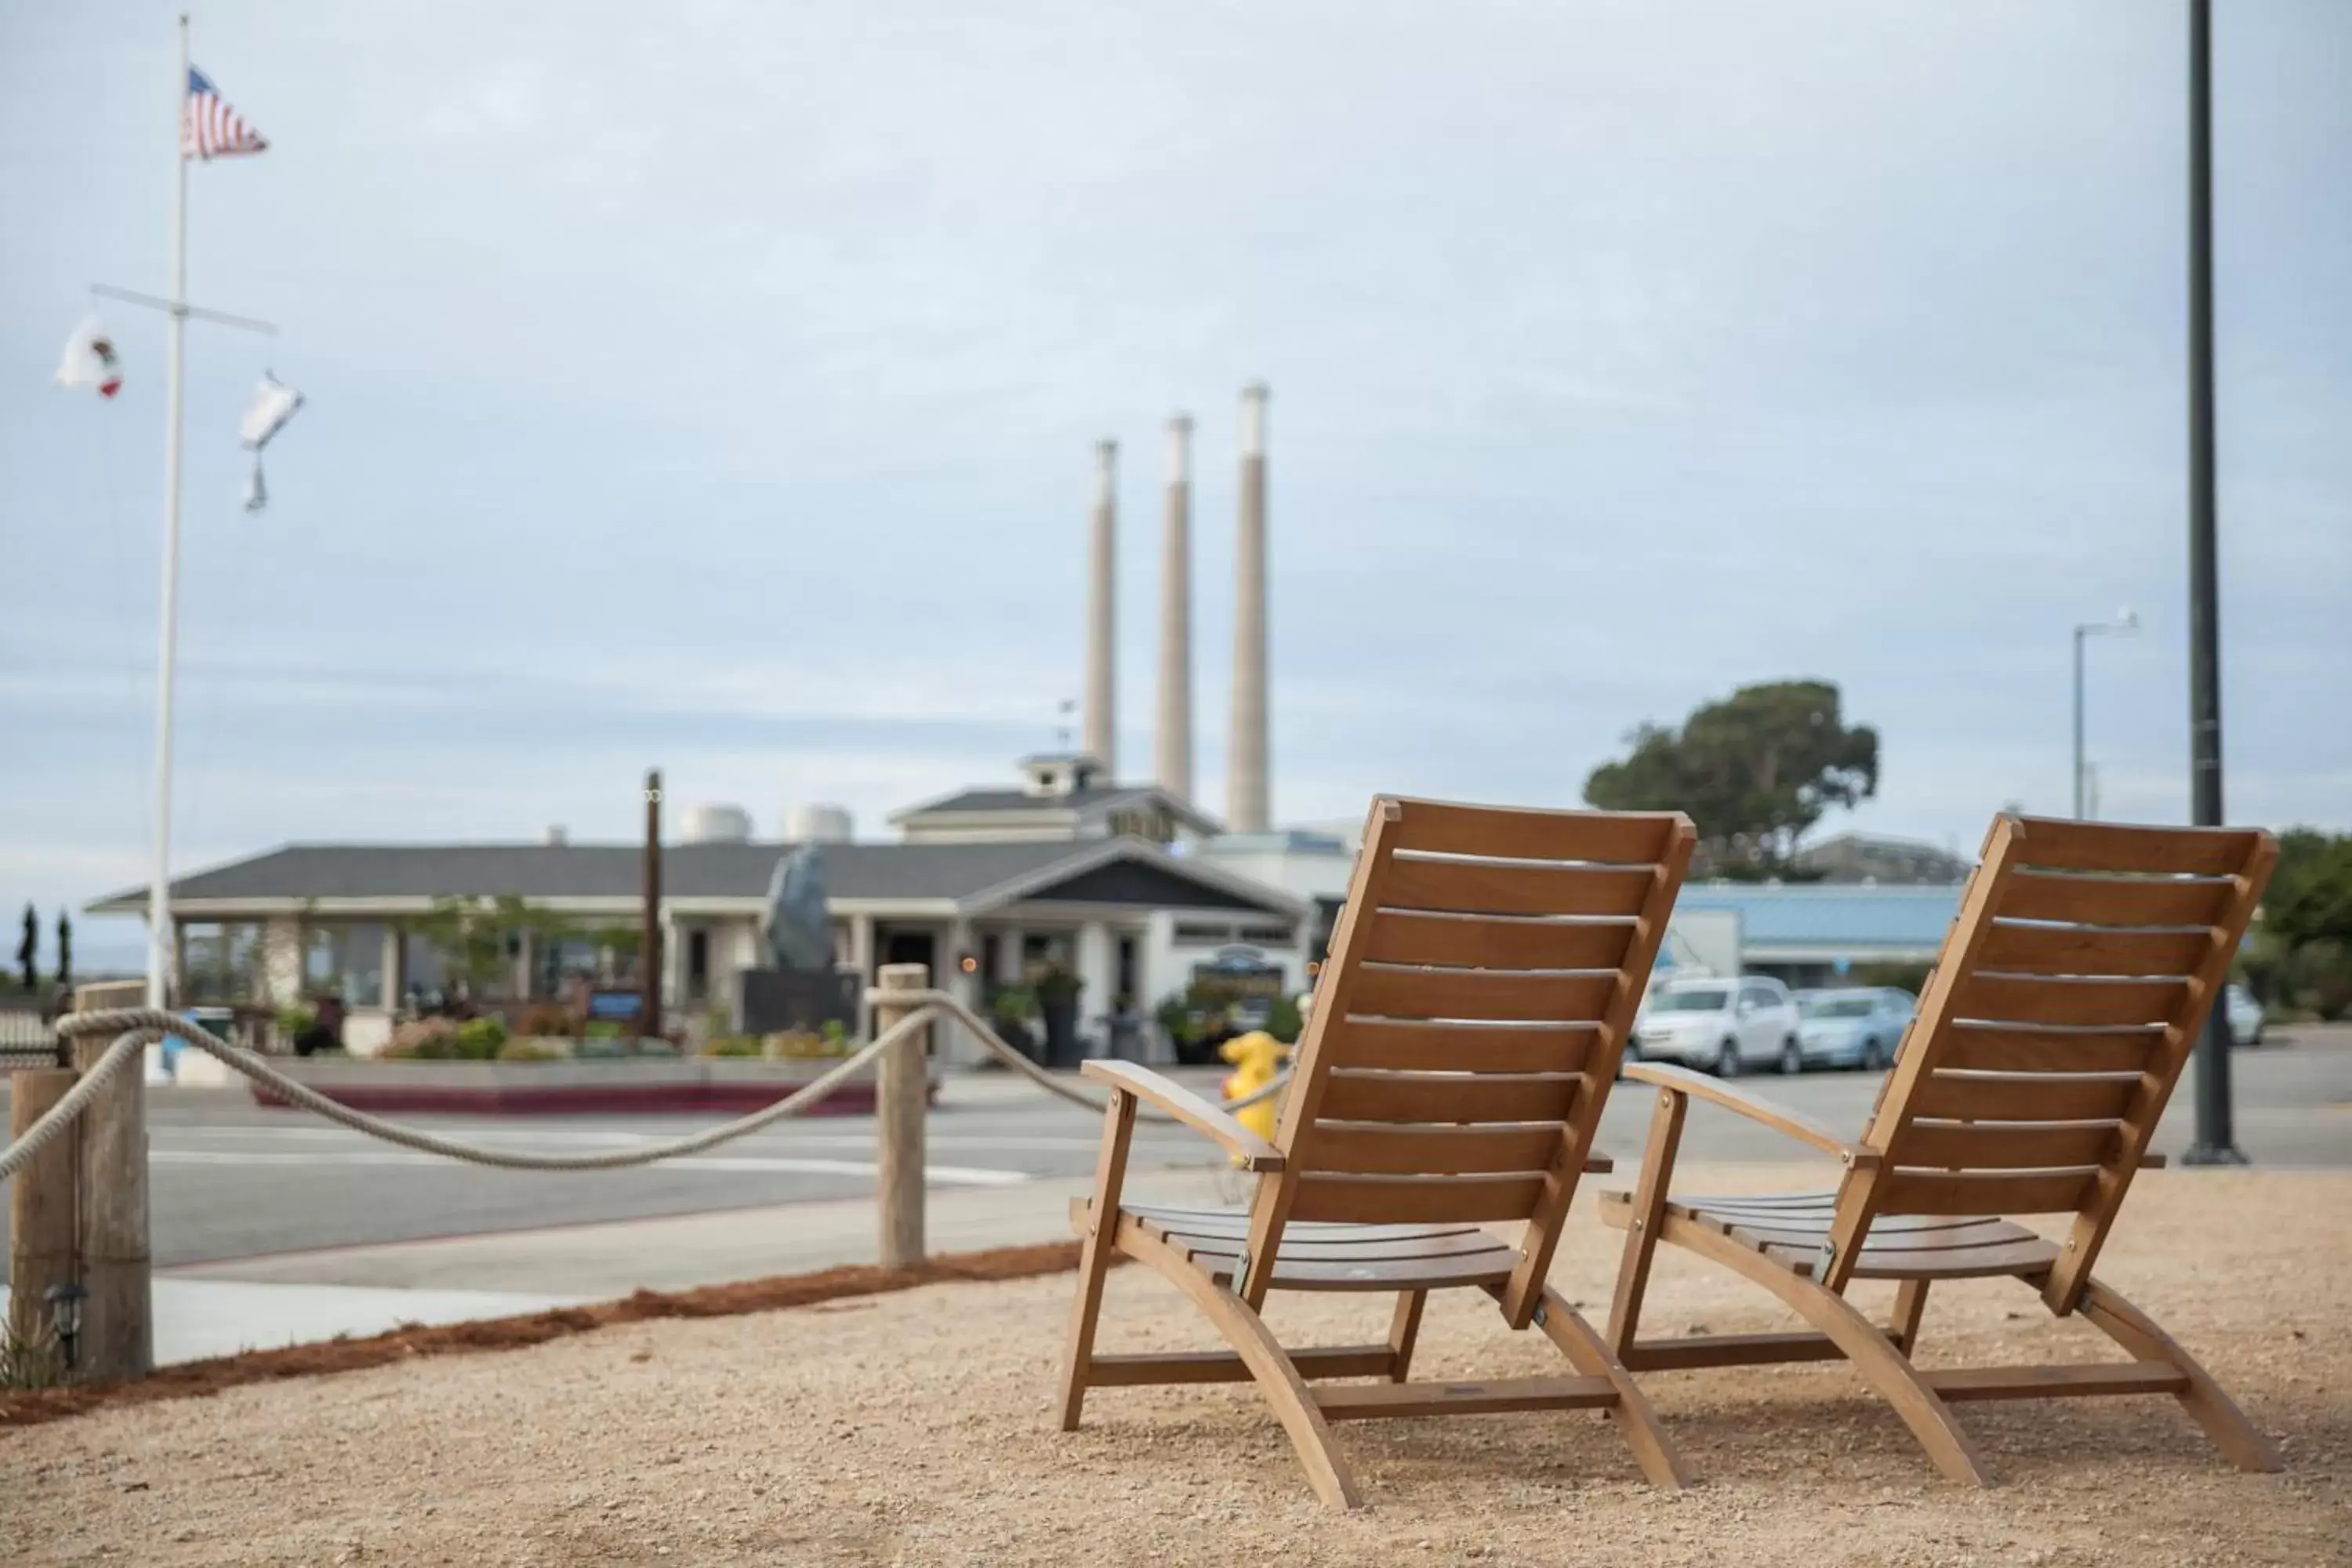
143, 1026
947, 1002
131, 1047
146, 1023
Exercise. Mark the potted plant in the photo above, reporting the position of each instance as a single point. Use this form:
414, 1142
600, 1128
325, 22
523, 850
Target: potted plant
1011, 1008
1057, 1004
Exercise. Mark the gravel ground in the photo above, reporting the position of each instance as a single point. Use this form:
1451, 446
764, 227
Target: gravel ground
915, 1428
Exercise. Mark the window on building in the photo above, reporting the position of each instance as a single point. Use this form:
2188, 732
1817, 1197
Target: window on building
222, 961
345, 961
1152, 822
697, 963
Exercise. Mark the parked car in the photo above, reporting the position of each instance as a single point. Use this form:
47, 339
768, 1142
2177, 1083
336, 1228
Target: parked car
1724, 1026
1859, 1027
2245, 1016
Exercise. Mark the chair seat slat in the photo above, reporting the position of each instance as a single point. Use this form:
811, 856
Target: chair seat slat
1490, 888
1419, 1197
1352, 1095
1402, 1148
1441, 828
1493, 942
2115, 901
2023, 999
1459, 1047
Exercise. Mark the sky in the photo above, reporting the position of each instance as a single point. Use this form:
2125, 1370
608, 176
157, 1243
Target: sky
713, 386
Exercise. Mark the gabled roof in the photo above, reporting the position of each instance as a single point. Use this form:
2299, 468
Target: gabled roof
980, 875
1088, 804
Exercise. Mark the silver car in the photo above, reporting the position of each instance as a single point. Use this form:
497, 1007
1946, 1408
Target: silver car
2245, 1016
1856, 1027
1723, 1026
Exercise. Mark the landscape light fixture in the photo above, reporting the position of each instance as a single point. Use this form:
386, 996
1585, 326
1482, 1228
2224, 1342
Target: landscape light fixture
65, 1318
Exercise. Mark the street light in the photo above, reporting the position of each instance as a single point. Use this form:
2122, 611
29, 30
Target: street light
2126, 623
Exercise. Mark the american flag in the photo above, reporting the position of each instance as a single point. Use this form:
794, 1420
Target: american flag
209, 128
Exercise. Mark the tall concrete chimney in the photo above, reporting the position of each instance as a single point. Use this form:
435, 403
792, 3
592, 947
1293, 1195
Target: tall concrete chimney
1172, 747
1246, 770
1101, 725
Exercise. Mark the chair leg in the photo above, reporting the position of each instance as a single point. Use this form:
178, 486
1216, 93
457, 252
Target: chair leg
1870, 1352
1278, 1379
1648, 1215
1590, 1353
1404, 1329
1095, 1256
2212, 1409
1910, 1306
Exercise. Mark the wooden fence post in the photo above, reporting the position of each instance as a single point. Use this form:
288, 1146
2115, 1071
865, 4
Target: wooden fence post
902, 1085
40, 1204
118, 1337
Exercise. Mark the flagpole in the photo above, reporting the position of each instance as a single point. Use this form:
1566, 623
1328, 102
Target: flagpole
160, 943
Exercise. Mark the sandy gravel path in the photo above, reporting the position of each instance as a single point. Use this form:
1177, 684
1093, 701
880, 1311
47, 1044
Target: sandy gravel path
914, 1429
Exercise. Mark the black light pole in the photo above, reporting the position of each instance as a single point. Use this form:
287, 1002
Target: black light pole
2216, 1143
649, 944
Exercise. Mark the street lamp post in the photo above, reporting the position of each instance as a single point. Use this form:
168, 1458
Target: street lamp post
2126, 623
2216, 1141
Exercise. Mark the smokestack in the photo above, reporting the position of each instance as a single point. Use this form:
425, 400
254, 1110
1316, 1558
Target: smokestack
1102, 731
1173, 749
1245, 771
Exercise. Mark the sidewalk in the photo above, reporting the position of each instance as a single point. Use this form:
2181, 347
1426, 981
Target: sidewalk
295, 1298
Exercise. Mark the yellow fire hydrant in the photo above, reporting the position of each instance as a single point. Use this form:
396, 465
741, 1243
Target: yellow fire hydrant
1256, 1057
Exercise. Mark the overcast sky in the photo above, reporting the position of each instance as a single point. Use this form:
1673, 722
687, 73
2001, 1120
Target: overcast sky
712, 386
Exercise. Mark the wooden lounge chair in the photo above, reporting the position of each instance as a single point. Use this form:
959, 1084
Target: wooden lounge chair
2069, 993
1465, 1034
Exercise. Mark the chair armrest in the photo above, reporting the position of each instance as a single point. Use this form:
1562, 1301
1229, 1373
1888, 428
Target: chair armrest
1698, 1085
1253, 1152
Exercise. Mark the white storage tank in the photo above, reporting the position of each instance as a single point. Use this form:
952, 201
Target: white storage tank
715, 824
818, 824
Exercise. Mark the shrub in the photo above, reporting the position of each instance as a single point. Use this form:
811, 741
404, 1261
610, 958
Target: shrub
30, 1364
548, 1019
605, 1029
1283, 1020
835, 1034
478, 1039
1012, 1004
424, 1040
732, 1046
291, 1021
794, 1045
533, 1049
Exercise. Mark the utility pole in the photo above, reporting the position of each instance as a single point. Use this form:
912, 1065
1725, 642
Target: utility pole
649, 945
2216, 1142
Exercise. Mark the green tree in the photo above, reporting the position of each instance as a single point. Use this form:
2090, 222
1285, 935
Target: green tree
469, 937
28, 950
1754, 771
2310, 896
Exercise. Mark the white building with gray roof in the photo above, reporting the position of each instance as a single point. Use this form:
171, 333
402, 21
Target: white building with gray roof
985, 886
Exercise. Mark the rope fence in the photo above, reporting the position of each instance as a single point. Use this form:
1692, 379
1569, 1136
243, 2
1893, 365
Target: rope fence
141, 1026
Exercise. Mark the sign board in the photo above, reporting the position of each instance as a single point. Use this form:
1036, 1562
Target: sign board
1238, 974
615, 1006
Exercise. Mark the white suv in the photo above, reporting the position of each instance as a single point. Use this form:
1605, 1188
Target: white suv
1721, 1025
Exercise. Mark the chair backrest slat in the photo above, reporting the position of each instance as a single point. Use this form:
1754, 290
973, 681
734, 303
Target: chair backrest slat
2069, 994
1469, 1021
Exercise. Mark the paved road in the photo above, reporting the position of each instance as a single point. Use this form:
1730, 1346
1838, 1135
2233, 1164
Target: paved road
234, 1181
